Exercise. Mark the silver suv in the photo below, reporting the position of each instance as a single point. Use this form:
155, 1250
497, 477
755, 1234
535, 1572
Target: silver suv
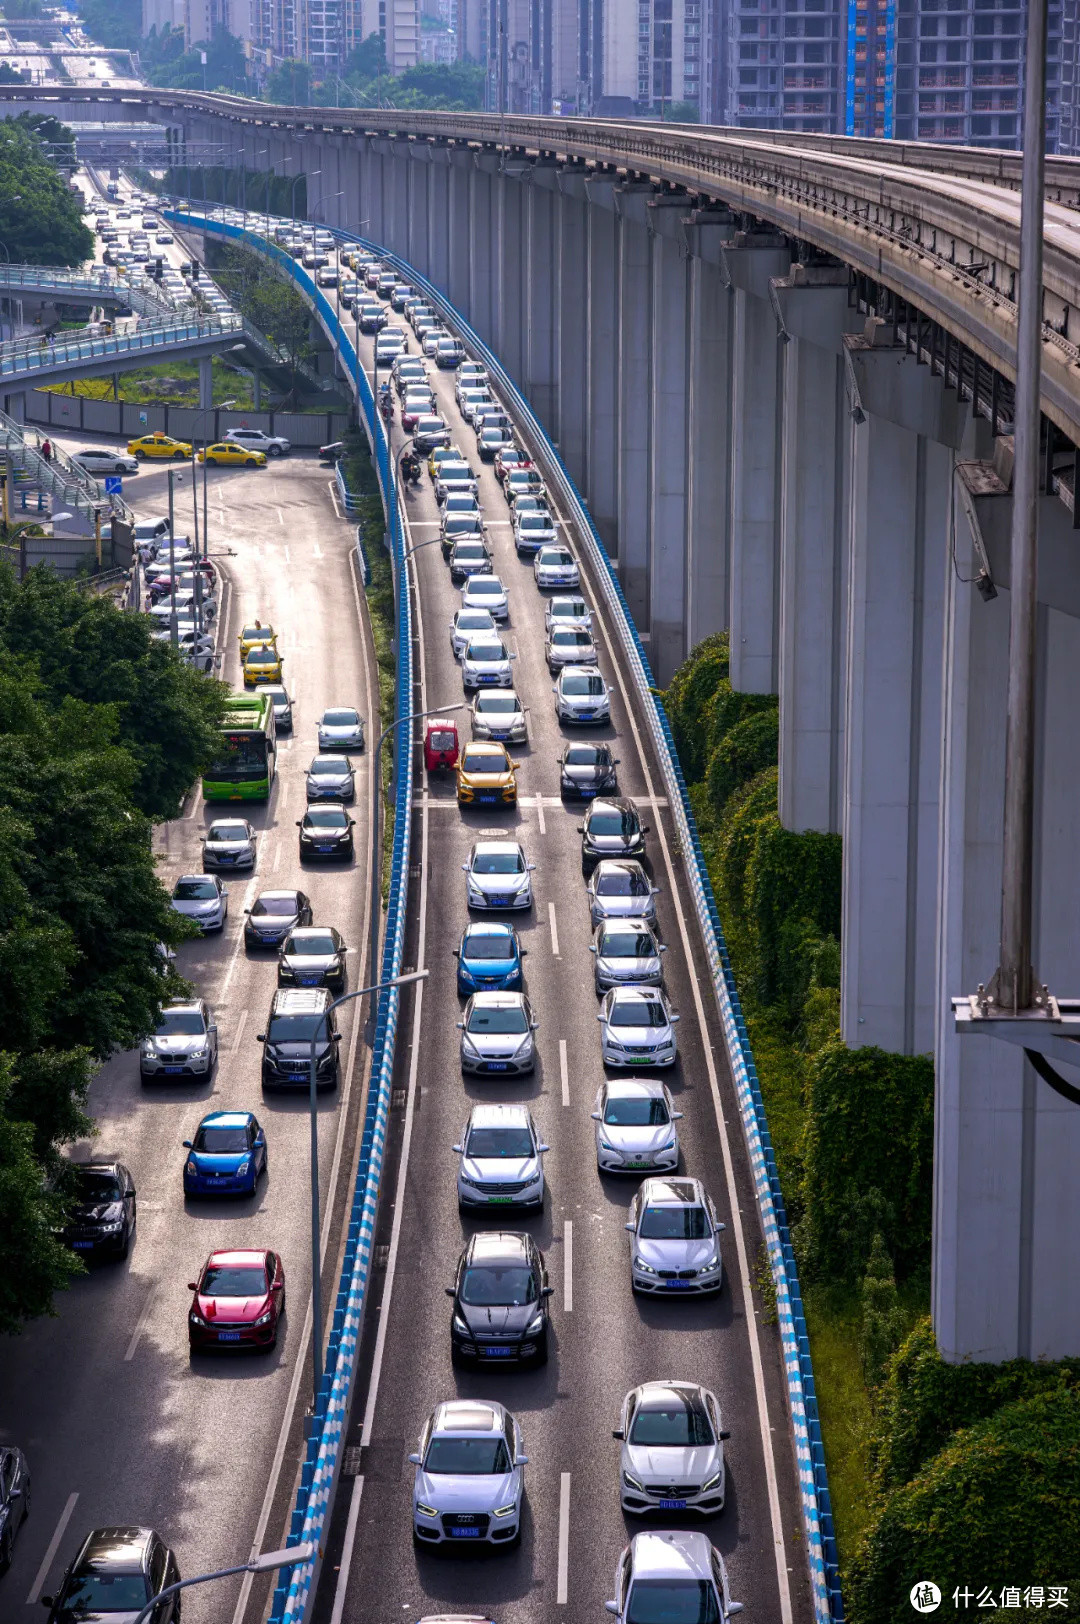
469, 1481
275, 445
185, 1043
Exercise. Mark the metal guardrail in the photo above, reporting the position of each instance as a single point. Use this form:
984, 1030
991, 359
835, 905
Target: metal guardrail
56, 474
349, 502
142, 293
168, 333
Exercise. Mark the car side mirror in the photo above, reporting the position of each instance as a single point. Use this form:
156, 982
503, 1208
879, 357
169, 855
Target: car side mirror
596, 1116
193, 1285
611, 1606
521, 1460
248, 910
673, 1018
352, 823
460, 1026
451, 1291
542, 1148
212, 1028
655, 890
455, 952
530, 867
260, 1037
677, 1116
299, 824
615, 763
724, 1436
661, 947
534, 1023
457, 1149
547, 1291
630, 1227
618, 1434
599, 1017
464, 868
186, 1144
46, 1601
592, 947
718, 1229
733, 1608
414, 1460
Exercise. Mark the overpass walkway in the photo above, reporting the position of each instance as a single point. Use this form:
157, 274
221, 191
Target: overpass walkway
62, 480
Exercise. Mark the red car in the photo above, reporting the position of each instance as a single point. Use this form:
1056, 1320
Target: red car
414, 409
440, 743
239, 1300
510, 456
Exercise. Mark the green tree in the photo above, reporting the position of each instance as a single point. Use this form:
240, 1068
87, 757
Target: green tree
35, 1264
289, 85
113, 22
9, 75
367, 59
166, 62
40, 219
882, 1326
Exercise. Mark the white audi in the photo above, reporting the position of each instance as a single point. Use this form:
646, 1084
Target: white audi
469, 1481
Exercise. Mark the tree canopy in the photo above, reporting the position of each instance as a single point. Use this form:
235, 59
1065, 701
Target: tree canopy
41, 220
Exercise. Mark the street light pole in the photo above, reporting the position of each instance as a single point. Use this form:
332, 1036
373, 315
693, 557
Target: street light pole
303, 175
225, 405
316, 1263
293, 1556
174, 633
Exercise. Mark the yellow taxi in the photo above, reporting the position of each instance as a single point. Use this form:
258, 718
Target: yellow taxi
262, 664
444, 453
160, 446
251, 636
486, 776
227, 455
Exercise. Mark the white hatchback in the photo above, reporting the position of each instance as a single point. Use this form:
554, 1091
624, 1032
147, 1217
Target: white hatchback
674, 1239
672, 1449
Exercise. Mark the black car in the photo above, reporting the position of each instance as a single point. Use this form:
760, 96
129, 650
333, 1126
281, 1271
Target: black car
272, 916
312, 956
612, 828
117, 1570
587, 769
297, 1015
491, 440
500, 1302
332, 452
14, 1500
469, 557
101, 1217
325, 831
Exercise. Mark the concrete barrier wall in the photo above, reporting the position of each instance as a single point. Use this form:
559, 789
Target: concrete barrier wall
78, 415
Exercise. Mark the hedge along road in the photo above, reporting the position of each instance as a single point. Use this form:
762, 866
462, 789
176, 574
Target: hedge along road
605, 1343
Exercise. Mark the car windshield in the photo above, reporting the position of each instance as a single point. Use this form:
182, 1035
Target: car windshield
613, 823
314, 944
627, 944
477, 761
555, 555
228, 832
468, 1457
487, 653
230, 1280
581, 685
622, 882
672, 1601
463, 524
500, 704
500, 1020
300, 1028
674, 1224
195, 891
329, 766
180, 1023
586, 755
484, 945
326, 817
498, 862
222, 1141
499, 1143
474, 620
636, 1113
537, 521
495, 1287
454, 470
440, 738
570, 637
470, 552
340, 718
637, 1011
491, 588
677, 1424
281, 907
252, 634
91, 1593
99, 1187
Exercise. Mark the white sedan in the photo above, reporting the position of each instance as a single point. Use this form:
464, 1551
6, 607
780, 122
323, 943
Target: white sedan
672, 1575
554, 566
96, 460
582, 695
533, 529
486, 592
672, 1449
637, 1027
497, 875
466, 624
635, 1126
203, 898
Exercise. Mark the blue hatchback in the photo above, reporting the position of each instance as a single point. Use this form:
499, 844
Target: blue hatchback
489, 959
227, 1155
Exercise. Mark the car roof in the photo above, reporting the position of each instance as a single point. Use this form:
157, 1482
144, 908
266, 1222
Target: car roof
227, 1119
498, 1000
494, 927
502, 1246
626, 993
671, 1554
469, 1416
180, 878
611, 803
299, 932
634, 1088
617, 865
487, 847
659, 1394
183, 1003
232, 1257
118, 1548
486, 747
673, 1192
300, 1000
266, 896
500, 1116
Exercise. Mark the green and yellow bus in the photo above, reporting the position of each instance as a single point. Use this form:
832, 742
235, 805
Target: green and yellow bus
245, 769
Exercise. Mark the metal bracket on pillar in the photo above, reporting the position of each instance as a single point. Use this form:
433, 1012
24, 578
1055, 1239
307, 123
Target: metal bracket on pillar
855, 403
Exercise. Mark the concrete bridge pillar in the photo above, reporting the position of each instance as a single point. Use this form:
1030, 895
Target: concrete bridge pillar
206, 382
708, 497
571, 323
539, 275
668, 436
508, 205
601, 290
635, 388
460, 232
482, 255
438, 230
396, 166
352, 213
418, 171
755, 459
371, 192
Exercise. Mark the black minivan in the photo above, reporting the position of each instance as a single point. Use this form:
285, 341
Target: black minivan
297, 1015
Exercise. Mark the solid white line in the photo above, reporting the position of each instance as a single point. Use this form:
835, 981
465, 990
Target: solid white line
563, 1072
568, 1267
540, 815
140, 1325
554, 931
564, 1538
316, 550
276, 864
239, 1031
54, 1546
347, 1550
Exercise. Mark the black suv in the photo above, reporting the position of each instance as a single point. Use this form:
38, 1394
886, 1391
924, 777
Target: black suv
326, 831
101, 1218
500, 1302
612, 828
118, 1570
297, 1014
14, 1500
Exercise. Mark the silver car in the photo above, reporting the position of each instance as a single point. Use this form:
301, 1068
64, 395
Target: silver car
229, 843
461, 501
635, 1127
619, 888
341, 728
497, 1034
666, 1574
497, 875
471, 374
569, 645
465, 624
672, 1449
627, 952
331, 778
673, 1231
469, 1481
554, 567
582, 695
185, 1043
502, 1159
486, 592
497, 713
534, 530
454, 478
472, 400
566, 610
204, 898
487, 663
637, 1027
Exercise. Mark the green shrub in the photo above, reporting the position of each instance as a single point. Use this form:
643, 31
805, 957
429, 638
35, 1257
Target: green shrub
750, 745
692, 686
882, 1327
1000, 1504
749, 805
868, 1159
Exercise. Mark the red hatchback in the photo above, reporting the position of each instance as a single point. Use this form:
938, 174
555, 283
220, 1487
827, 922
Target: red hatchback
509, 458
239, 1300
440, 744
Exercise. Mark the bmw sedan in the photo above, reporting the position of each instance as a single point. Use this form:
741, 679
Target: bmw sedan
569, 645
227, 1155
621, 889
612, 828
486, 592
666, 1576
626, 952
672, 1449
341, 728
500, 1294
674, 1246
497, 1035
497, 713
635, 1127
587, 770
185, 1043
465, 624
229, 843
497, 875
554, 567
312, 956
489, 959
502, 1159
637, 1027
238, 1301
203, 898
272, 916
331, 778
487, 662
326, 831
469, 1481
582, 696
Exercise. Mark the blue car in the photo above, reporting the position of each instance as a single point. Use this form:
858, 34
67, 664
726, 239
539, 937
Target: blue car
227, 1155
489, 959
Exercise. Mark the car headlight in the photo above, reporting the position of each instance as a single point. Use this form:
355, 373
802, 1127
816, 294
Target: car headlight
646, 1268
244, 1168
264, 1319
671, 1144
605, 1146
466, 975
192, 1169
713, 1263
427, 1511
200, 1054
196, 1318
535, 1326
711, 1484
469, 1046
505, 1511
632, 1483
460, 1327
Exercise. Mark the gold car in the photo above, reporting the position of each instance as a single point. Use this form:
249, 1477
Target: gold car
251, 637
262, 664
486, 775
160, 446
444, 453
227, 455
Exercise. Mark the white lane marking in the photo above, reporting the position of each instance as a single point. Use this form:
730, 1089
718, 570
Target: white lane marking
564, 1539
276, 864
563, 1072
540, 815
54, 1545
250, 894
140, 1325
553, 927
568, 1267
288, 558
332, 488
239, 1032
346, 1551
281, 521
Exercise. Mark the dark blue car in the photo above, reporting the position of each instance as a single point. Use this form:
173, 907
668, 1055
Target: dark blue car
489, 959
227, 1155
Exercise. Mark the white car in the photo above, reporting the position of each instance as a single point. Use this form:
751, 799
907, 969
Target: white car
554, 566
229, 843
672, 1449
627, 953
486, 663
582, 695
467, 623
275, 445
204, 898
672, 1575
469, 1481
569, 645
619, 888
341, 728
454, 478
673, 1229
486, 592
389, 344
497, 713
471, 399
637, 1027
432, 339
461, 501
184, 1044
497, 875
534, 529
472, 373
97, 460
566, 611
635, 1127
502, 1159
497, 1035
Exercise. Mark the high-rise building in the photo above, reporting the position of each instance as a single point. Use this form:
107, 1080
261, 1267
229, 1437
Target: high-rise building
870, 67
781, 65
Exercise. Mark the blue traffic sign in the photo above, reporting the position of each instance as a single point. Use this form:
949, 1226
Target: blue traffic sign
113, 484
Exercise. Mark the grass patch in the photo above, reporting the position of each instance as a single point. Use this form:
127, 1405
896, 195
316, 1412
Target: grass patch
175, 383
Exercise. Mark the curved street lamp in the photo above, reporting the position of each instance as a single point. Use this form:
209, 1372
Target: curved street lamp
293, 1556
